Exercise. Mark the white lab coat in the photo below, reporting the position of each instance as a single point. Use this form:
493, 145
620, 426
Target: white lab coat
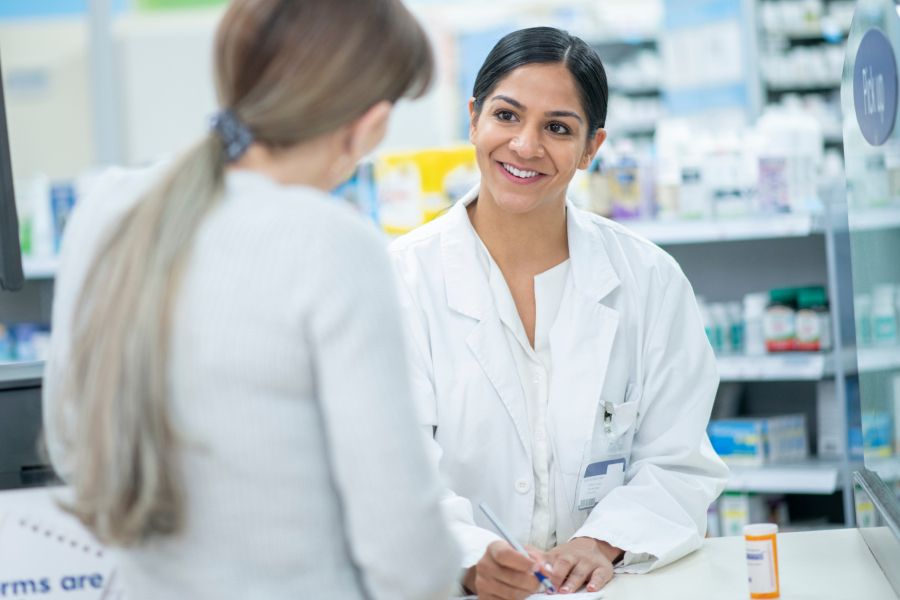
627, 338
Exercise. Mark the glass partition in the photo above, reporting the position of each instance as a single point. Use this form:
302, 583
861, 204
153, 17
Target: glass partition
872, 156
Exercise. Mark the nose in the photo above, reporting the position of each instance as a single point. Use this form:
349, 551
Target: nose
527, 144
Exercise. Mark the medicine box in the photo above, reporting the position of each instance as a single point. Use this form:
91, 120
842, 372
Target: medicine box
737, 509
754, 441
785, 438
832, 438
738, 442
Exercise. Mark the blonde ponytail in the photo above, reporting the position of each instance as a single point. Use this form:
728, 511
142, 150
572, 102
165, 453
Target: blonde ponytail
128, 480
287, 71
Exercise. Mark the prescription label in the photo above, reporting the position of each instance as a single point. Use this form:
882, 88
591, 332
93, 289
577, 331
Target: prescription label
599, 479
763, 577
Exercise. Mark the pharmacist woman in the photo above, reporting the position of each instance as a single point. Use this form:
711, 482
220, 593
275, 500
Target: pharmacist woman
559, 362
231, 417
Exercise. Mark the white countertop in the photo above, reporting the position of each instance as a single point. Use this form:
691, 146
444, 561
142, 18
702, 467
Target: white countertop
816, 565
820, 565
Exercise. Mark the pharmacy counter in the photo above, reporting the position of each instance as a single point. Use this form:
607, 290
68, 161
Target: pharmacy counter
819, 565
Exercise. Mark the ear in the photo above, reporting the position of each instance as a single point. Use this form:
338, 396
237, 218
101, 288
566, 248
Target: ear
473, 120
591, 149
368, 130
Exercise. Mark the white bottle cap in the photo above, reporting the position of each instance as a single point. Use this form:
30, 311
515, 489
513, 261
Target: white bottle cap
760, 529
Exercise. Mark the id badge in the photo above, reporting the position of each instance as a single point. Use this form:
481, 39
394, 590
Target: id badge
604, 461
598, 477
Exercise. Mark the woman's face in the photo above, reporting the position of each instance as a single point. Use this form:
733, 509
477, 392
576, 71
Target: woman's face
530, 137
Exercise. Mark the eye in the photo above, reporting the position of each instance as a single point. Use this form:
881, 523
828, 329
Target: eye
558, 128
505, 115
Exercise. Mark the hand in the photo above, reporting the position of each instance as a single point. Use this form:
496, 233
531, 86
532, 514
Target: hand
504, 574
582, 560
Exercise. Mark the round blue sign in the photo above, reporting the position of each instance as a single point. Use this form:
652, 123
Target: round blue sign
875, 87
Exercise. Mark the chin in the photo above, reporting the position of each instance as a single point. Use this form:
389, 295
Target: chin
515, 200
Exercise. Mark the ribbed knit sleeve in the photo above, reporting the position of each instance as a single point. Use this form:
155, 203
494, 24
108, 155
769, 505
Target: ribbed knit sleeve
390, 494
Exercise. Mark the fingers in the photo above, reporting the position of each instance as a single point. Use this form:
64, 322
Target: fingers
507, 556
542, 561
505, 574
562, 566
577, 576
600, 577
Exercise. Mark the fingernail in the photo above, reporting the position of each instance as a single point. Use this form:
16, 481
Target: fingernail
592, 587
548, 568
565, 588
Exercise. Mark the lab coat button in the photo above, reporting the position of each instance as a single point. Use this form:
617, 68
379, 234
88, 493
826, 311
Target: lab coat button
523, 485
538, 378
538, 435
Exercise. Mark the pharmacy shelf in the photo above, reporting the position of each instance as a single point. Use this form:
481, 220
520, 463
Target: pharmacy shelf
802, 86
811, 476
811, 33
783, 366
707, 230
887, 217
635, 90
887, 468
878, 359
39, 268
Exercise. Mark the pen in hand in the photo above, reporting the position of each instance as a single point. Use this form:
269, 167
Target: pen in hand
514, 543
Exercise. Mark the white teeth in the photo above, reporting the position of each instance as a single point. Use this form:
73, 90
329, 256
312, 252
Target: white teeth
518, 173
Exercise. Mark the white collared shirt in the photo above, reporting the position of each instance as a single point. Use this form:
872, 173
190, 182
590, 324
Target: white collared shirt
533, 365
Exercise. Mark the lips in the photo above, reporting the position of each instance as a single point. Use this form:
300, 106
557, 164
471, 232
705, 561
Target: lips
518, 175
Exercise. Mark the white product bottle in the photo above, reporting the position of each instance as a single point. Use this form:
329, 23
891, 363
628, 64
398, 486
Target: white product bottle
884, 316
736, 322
862, 307
754, 312
709, 325
722, 325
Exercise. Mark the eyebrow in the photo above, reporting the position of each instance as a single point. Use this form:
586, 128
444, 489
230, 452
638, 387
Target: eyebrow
551, 113
562, 113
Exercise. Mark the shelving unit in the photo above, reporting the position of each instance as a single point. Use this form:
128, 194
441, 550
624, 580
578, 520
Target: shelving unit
39, 268
702, 231
809, 477
814, 476
778, 38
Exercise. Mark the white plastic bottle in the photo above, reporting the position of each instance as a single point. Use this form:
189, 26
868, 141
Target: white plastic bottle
754, 312
709, 324
723, 327
862, 308
884, 316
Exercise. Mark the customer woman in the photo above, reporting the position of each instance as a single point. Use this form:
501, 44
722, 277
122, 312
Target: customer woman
559, 359
223, 393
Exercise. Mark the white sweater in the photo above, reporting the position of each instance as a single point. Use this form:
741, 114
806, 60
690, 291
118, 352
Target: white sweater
304, 466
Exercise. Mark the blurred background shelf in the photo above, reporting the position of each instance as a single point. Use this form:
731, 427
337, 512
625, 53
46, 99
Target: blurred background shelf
887, 468
39, 268
878, 359
871, 219
785, 366
809, 477
693, 232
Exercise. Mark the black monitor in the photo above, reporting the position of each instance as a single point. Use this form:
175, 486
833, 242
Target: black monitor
11, 276
21, 463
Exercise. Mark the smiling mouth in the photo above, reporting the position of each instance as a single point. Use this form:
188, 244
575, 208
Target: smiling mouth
519, 173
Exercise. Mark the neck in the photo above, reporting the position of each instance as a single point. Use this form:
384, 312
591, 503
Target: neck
536, 240
309, 163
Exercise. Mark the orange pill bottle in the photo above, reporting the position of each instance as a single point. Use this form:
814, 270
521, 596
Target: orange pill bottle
762, 560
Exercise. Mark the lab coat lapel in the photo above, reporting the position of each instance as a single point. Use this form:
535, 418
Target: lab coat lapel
469, 293
581, 340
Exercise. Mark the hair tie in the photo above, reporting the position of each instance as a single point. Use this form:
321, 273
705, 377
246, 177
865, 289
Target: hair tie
236, 136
